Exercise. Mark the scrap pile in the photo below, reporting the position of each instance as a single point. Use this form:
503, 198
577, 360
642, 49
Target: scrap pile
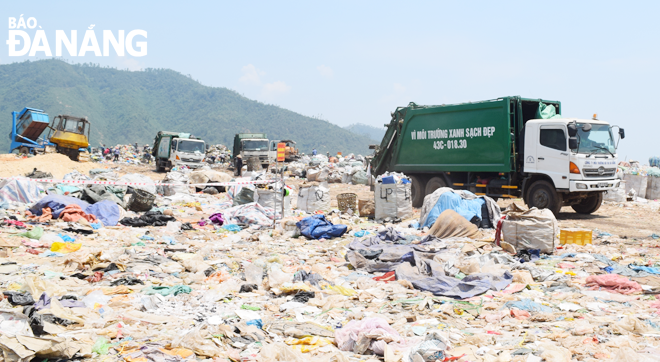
180, 273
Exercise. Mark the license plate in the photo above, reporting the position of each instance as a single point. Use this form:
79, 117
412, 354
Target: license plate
602, 184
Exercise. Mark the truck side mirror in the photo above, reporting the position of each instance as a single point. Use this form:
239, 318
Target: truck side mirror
573, 143
572, 129
586, 127
622, 133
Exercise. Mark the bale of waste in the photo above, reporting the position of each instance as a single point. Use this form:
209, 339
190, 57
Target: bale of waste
312, 198
274, 199
637, 183
393, 200
530, 229
653, 187
619, 194
360, 178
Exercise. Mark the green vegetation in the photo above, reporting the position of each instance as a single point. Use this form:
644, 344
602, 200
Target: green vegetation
127, 107
374, 133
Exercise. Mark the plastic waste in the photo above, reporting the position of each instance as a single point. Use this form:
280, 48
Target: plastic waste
65, 247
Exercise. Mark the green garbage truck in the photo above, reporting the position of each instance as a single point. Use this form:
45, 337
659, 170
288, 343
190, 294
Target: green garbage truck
508, 147
251, 145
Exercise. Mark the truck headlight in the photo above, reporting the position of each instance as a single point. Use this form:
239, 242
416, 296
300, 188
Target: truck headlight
581, 186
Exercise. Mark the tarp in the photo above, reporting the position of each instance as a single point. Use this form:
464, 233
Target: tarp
106, 211
56, 203
469, 209
318, 227
427, 217
23, 191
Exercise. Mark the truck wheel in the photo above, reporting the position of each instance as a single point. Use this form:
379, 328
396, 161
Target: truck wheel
543, 195
24, 150
590, 204
417, 190
434, 184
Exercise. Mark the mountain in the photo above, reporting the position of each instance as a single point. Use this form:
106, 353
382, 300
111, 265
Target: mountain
125, 107
374, 133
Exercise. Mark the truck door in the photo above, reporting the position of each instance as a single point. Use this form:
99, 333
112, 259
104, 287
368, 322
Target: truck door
552, 155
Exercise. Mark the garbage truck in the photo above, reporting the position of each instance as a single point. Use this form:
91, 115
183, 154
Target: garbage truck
174, 148
508, 147
251, 145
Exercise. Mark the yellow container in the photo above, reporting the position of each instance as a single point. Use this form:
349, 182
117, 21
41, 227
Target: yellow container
575, 236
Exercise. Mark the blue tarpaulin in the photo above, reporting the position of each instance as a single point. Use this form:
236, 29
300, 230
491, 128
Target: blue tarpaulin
452, 201
318, 227
106, 211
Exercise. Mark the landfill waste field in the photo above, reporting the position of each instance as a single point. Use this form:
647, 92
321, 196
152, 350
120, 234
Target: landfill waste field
109, 260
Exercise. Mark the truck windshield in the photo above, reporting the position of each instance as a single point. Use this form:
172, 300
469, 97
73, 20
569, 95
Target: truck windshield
598, 140
73, 126
191, 146
255, 145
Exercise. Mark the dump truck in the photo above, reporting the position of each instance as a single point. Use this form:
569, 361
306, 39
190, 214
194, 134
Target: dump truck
70, 135
249, 145
174, 148
67, 135
509, 147
290, 151
26, 129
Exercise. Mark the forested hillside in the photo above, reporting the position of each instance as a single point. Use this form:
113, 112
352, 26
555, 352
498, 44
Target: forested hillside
127, 107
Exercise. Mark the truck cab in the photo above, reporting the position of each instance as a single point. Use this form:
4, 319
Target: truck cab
577, 156
172, 148
189, 152
255, 147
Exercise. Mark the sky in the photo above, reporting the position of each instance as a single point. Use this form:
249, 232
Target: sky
356, 61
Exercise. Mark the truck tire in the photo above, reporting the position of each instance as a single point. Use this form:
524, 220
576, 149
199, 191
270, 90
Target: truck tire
590, 204
417, 188
543, 195
434, 184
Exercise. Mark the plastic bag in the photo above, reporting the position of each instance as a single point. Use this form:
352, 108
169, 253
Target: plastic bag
196, 341
276, 277
552, 353
307, 344
65, 248
36, 233
280, 352
94, 298
101, 346
254, 274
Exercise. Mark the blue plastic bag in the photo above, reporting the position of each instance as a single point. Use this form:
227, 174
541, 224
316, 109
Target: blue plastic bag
318, 227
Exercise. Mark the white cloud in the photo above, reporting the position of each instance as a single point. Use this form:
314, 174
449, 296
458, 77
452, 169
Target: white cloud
275, 88
129, 63
251, 75
326, 72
